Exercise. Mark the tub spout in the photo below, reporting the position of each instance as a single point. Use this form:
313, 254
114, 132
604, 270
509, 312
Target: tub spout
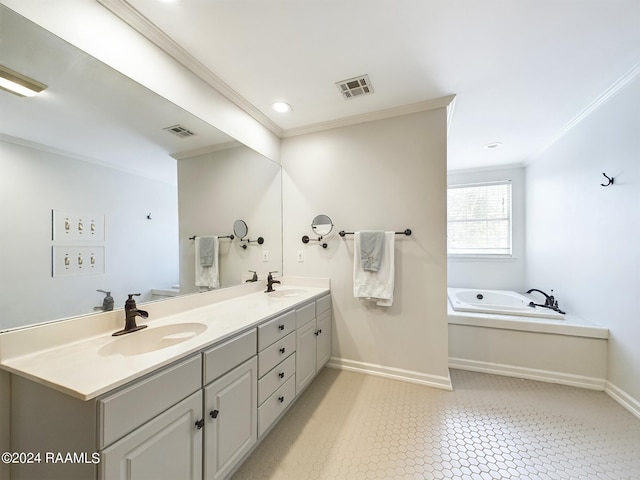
549, 302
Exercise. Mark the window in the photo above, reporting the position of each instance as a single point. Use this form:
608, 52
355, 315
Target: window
479, 219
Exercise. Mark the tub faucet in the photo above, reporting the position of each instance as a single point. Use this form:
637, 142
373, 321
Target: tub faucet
549, 302
131, 311
270, 282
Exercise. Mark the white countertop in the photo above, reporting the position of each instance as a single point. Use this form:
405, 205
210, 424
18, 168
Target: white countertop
88, 367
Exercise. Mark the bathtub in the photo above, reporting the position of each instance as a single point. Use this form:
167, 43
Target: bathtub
501, 302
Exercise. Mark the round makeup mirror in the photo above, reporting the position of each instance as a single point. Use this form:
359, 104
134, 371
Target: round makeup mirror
322, 225
240, 229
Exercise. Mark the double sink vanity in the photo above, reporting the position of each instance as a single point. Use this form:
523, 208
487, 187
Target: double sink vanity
188, 397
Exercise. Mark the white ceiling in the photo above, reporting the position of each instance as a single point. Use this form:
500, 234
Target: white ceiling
521, 70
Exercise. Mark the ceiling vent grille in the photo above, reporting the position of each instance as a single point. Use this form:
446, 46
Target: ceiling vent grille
355, 87
180, 131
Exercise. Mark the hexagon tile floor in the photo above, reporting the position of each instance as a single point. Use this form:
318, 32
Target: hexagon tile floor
352, 426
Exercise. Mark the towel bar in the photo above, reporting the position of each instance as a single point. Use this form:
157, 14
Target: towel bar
231, 237
406, 232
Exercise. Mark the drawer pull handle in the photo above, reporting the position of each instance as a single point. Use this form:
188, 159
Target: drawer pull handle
214, 413
200, 423
282, 350
281, 374
281, 398
280, 327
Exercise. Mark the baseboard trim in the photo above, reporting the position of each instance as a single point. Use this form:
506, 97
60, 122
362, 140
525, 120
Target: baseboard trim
548, 376
435, 381
623, 398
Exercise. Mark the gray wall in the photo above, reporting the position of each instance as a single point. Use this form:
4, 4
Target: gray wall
387, 175
140, 254
583, 239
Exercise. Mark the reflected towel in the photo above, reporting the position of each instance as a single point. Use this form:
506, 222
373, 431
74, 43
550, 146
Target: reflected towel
375, 286
371, 250
206, 249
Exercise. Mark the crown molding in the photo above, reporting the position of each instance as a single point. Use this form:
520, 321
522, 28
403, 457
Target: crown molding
441, 102
82, 158
210, 149
614, 88
140, 23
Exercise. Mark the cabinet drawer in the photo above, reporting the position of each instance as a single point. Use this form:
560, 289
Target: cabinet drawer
305, 314
323, 304
275, 329
222, 358
273, 355
276, 377
125, 410
277, 403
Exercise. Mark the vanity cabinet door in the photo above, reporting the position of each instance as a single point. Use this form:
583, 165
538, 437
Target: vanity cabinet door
305, 355
168, 447
323, 339
231, 426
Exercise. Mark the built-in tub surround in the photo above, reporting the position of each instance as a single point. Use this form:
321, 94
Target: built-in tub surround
79, 357
571, 351
503, 302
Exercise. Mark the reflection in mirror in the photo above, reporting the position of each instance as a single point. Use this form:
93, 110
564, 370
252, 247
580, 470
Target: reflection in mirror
240, 229
322, 225
96, 144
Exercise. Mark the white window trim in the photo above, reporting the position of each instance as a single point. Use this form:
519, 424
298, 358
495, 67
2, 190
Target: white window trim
490, 257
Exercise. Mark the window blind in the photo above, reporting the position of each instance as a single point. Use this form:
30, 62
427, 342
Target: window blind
479, 219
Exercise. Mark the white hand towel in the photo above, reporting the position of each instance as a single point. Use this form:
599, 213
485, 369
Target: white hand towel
375, 286
207, 276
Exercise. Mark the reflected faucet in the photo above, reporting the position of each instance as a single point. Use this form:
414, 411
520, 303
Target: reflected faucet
549, 302
254, 278
270, 282
131, 311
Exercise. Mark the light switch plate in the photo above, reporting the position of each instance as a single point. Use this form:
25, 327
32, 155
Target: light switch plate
77, 226
77, 260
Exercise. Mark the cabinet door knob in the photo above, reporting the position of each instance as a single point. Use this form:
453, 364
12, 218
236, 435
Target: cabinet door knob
214, 413
282, 350
200, 423
280, 327
281, 398
281, 374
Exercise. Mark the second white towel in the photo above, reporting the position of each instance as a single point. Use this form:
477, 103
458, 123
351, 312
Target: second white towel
375, 286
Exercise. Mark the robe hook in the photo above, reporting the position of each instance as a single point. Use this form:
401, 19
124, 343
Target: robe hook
608, 178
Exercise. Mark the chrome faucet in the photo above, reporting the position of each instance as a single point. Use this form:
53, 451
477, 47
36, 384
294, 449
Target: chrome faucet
131, 311
270, 282
549, 302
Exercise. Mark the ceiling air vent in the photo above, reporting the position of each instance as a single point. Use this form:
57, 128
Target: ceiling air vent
180, 131
355, 87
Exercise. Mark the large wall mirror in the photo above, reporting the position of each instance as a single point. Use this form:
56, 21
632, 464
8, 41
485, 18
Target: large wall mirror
142, 175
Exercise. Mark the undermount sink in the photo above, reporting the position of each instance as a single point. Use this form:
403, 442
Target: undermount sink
152, 339
286, 293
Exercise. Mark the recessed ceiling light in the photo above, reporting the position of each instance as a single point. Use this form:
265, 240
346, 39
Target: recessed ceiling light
281, 107
493, 146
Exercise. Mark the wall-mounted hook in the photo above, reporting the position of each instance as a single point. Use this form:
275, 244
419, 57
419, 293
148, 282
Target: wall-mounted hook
149, 216
608, 178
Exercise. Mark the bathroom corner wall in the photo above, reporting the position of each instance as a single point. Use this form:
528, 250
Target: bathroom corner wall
492, 273
5, 420
382, 175
582, 238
